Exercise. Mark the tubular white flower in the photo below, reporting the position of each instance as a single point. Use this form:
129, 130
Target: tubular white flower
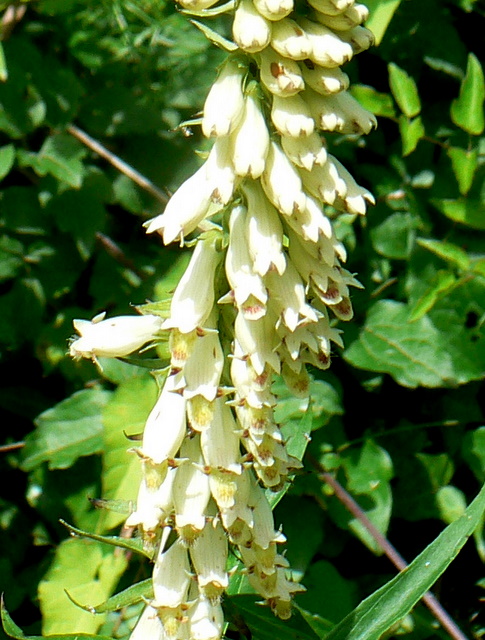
193, 298
287, 295
251, 31
203, 370
281, 182
224, 104
251, 389
249, 291
148, 626
328, 50
220, 443
357, 197
289, 40
166, 425
220, 171
324, 81
281, 76
153, 504
257, 340
114, 337
209, 557
298, 382
206, 620
251, 139
324, 182
304, 151
340, 112
291, 116
350, 18
263, 530
185, 210
171, 576
274, 9
265, 233
191, 492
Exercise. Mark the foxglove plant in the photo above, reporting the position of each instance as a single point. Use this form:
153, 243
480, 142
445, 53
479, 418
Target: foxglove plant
259, 298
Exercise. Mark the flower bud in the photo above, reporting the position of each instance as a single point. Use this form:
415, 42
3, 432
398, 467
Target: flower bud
193, 298
304, 151
328, 50
280, 76
224, 104
350, 18
209, 558
251, 31
289, 40
149, 625
340, 112
291, 116
257, 340
206, 620
324, 182
265, 233
359, 38
323, 80
281, 182
274, 9
331, 7
196, 5
114, 337
356, 198
185, 210
251, 139
203, 370
220, 171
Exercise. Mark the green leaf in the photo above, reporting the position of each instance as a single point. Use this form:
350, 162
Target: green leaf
135, 593
3, 65
83, 568
416, 353
389, 604
404, 90
71, 429
473, 450
261, 622
467, 211
464, 164
328, 594
132, 544
11, 257
13, 631
448, 251
380, 104
7, 158
381, 13
442, 283
59, 156
411, 133
467, 109
451, 503
215, 38
394, 237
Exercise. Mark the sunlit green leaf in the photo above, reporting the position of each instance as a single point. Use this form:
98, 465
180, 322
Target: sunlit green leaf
71, 429
7, 158
467, 109
448, 251
443, 283
411, 133
381, 14
467, 211
404, 90
380, 104
464, 164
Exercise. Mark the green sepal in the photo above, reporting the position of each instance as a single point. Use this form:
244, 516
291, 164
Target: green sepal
135, 545
215, 38
212, 11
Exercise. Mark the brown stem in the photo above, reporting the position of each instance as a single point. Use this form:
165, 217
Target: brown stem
118, 163
448, 624
5, 448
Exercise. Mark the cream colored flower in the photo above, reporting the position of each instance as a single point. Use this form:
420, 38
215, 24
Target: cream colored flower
281, 182
348, 19
224, 104
323, 80
305, 151
289, 40
250, 140
250, 30
291, 116
171, 576
328, 50
274, 9
280, 75
113, 337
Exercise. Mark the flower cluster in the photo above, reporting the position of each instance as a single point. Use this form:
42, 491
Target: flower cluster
258, 298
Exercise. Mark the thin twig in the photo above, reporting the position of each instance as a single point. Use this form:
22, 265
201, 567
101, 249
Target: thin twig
118, 163
443, 617
5, 448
